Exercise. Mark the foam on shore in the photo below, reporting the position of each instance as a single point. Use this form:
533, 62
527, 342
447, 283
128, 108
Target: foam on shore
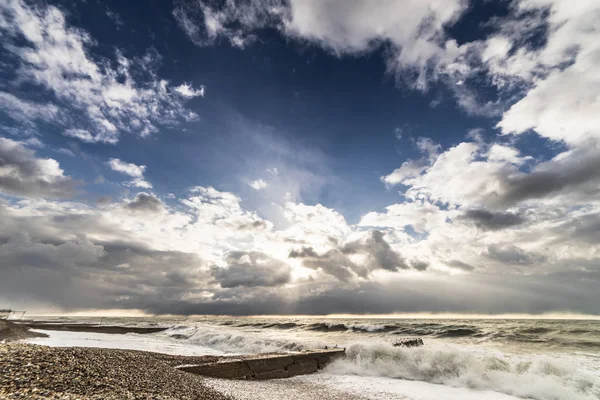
130, 341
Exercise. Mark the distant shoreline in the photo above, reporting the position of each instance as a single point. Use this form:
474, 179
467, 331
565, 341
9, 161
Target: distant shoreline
112, 329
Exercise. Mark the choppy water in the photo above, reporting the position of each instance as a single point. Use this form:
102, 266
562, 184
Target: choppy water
533, 359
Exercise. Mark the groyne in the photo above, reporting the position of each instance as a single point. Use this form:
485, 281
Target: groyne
272, 366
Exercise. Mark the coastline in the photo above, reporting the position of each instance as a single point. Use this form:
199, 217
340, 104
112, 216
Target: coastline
29, 371
34, 371
454, 368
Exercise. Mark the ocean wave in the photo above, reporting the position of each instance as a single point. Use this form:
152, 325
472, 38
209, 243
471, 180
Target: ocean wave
537, 378
327, 327
231, 341
458, 332
535, 330
356, 327
283, 325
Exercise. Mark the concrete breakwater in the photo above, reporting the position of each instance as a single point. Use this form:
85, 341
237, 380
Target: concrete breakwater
266, 366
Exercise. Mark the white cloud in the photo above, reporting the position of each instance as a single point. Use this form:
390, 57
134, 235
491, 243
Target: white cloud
188, 91
213, 250
413, 168
133, 170
46, 52
27, 112
24, 174
549, 88
81, 134
476, 174
258, 184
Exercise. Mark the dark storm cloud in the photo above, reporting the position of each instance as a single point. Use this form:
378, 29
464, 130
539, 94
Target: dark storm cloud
460, 265
584, 228
420, 265
145, 202
83, 274
43, 263
332, 262
576, 175
23, 174
483, 294
251, 269
510, 254
378, 253
50, 226
492, 220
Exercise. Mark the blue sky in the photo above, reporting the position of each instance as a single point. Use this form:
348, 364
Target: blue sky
214, 154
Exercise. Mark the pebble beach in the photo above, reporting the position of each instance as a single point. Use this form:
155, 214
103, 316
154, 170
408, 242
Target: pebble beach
39, 372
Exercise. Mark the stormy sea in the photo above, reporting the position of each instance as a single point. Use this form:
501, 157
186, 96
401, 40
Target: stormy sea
460, 359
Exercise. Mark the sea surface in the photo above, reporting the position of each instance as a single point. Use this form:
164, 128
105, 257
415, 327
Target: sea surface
461, 359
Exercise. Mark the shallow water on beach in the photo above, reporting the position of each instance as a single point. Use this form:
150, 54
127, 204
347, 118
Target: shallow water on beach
462, 359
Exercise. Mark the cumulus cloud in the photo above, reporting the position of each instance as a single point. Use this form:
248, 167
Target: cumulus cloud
24, 174
102, 101
133, 170
563, 72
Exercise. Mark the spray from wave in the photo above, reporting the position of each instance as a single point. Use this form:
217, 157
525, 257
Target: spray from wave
537, 378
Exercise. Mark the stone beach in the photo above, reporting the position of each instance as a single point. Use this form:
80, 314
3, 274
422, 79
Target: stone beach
40, 372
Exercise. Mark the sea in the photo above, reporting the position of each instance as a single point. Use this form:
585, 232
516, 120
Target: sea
485, 359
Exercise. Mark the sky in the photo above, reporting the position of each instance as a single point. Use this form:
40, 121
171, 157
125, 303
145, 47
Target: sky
249, 157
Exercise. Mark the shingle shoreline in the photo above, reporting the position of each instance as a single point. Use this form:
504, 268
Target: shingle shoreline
39, 372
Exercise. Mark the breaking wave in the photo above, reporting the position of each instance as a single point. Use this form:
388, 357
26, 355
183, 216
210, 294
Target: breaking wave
230, 341
540, 378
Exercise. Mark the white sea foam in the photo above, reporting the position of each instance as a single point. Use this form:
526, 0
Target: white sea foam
130, 341
534, 377
378, 388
